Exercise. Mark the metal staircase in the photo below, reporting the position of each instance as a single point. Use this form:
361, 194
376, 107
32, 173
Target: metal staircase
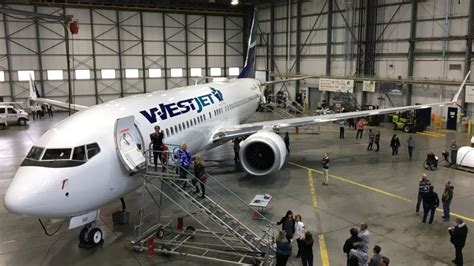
224, 217
285, 114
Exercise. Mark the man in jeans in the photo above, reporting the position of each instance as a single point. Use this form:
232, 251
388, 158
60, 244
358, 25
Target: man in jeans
325, 164
446, 199
423, 189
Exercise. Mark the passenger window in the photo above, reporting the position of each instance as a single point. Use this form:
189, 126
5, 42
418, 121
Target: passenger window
184, 126
179, 127
57, 154
187, 124
204, 116
92, 150
176, 129
167, 132
194, 120
210, 116
35, 152
172, 130
11, 111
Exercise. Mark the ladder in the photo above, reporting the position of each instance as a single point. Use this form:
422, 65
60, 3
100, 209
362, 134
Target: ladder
220, 216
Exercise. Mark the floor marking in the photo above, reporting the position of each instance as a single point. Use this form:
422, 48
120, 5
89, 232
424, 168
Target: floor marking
323, 250
428, 135
465, 218
436, 133
312, 189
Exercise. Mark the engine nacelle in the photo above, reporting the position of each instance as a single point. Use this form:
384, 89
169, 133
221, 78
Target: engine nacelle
262, 153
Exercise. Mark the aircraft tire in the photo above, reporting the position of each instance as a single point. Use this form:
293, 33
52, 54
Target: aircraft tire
83, 236
95, 236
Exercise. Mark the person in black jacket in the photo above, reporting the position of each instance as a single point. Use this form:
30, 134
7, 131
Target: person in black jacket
351, 243
458, 239
288, 225
307, 249
283, 249
157, 146
395, 144
423, 188
446, 199
430, 203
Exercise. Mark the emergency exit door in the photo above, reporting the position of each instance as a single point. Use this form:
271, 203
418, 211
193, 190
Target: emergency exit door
129, 144
452, 118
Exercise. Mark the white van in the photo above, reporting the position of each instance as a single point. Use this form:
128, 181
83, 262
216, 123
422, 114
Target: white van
14, 115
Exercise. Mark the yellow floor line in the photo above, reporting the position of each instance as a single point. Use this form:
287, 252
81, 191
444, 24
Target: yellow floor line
435, 133
465, 218
428, 135
312, 188
323, 250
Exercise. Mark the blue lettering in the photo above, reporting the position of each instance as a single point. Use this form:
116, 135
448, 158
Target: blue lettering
199, 103
151, 117
172, 109
204, 99
185, 105
162, 113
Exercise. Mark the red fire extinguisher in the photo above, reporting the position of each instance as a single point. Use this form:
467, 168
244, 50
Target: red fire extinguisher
74, 27
151, 246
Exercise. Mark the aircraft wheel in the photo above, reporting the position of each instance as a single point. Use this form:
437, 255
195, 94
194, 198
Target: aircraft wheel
95, 236
83, 236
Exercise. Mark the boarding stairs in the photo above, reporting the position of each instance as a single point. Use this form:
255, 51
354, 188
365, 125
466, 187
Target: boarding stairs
290, 112
225, 220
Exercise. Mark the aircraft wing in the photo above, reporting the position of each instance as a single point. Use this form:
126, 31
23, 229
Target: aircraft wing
35, 96
231, 132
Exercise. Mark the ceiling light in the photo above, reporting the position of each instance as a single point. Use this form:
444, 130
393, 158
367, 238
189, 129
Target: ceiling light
234, 2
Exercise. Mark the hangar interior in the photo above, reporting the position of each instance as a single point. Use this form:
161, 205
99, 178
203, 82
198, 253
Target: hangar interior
127, 48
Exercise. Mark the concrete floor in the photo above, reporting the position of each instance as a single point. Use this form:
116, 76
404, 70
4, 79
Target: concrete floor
366, 186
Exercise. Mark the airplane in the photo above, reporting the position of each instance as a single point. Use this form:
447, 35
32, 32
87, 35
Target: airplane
87, 160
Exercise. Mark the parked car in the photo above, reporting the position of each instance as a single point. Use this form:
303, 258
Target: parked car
14, 115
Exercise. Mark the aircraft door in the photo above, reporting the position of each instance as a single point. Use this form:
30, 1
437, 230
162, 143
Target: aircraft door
129, 144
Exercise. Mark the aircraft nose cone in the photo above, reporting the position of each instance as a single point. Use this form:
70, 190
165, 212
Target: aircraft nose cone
15, 201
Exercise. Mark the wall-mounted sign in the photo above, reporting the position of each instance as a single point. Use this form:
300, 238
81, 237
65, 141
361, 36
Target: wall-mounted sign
336, 85
469, 94
391, 88
368, 85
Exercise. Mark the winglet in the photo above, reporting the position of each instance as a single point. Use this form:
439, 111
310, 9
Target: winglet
34, 94
456, 96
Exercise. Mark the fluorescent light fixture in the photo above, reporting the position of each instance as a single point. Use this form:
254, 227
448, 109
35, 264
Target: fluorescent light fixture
2, 76
24, 75
234, 2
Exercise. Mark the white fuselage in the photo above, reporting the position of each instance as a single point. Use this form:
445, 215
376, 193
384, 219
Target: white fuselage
46, 191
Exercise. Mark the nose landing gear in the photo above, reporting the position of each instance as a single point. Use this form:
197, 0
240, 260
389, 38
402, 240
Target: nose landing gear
90, 236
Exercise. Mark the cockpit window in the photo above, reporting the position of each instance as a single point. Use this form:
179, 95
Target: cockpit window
92, 150
79, 154
35, 153
57, 154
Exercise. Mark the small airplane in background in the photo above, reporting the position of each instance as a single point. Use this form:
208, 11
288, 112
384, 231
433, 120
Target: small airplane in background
81, 164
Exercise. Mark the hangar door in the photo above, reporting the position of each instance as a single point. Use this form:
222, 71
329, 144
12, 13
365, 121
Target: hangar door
129, 144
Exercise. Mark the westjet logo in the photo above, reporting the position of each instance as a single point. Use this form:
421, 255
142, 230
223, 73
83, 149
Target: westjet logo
165, 111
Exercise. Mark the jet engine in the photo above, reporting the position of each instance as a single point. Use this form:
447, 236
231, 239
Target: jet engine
262, 153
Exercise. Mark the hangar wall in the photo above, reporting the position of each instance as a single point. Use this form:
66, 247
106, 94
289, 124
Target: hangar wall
126, 44
439, 42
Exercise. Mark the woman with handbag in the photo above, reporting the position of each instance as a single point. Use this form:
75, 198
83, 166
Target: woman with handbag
201, 174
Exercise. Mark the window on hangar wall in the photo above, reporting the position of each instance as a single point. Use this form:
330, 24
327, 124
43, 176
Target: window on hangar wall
176, 72
107, 73
83, 74
24, 75
154, 73
55, 75
2, 76
234, 71
196, 72
216, 72
131, 73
